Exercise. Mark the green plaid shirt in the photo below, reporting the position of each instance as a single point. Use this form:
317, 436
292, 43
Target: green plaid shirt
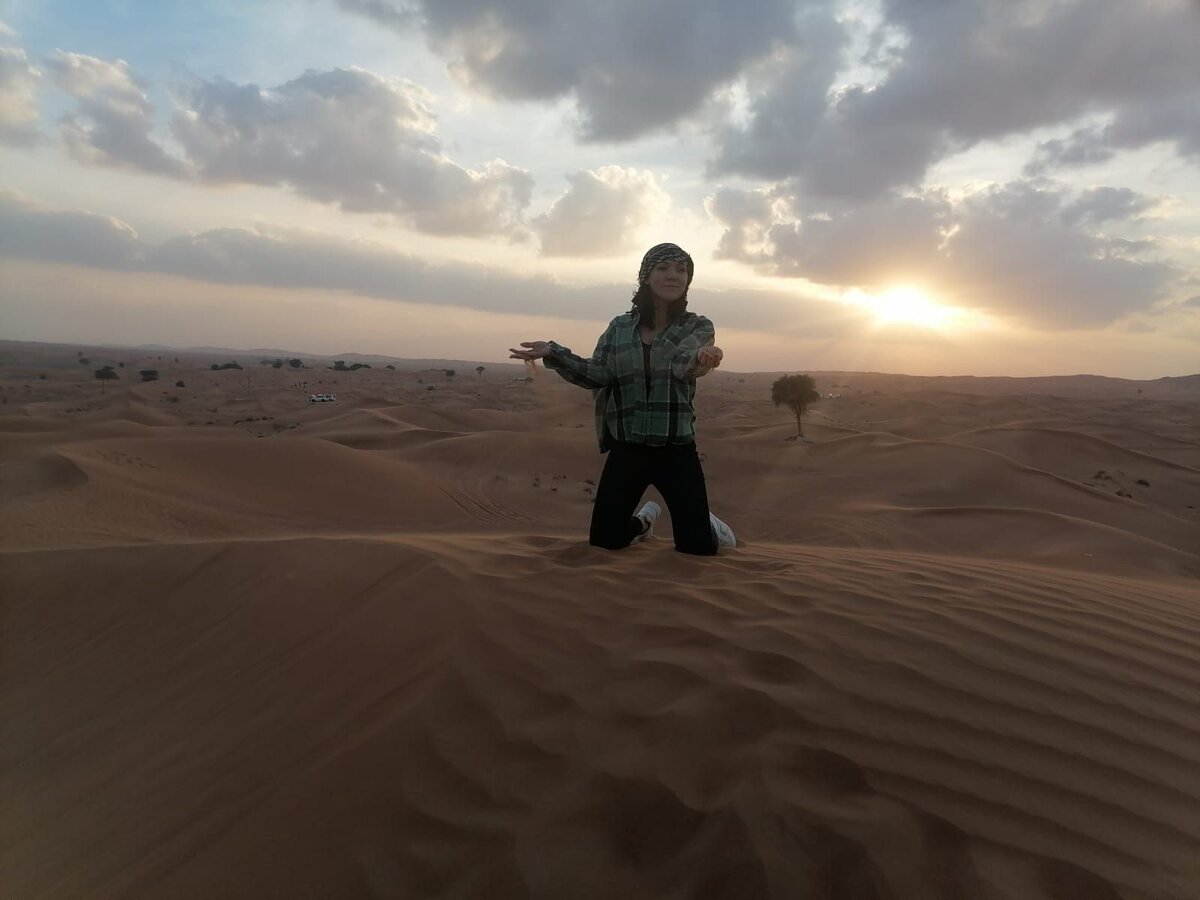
617, 374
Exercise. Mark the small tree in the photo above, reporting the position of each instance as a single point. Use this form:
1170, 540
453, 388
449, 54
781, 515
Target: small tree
479, 370
149, 374
106, 373
796, 392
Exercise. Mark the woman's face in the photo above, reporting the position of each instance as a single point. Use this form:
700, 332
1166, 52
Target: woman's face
669, 279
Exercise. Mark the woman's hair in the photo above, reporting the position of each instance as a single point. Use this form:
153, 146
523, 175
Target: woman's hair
643, 302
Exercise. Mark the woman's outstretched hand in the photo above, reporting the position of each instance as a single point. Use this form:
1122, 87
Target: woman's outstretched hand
534, 350
709, 357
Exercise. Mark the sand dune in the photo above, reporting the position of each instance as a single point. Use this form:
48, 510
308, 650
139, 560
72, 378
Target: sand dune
253, 647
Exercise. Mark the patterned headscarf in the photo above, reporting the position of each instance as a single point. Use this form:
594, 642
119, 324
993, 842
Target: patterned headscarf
659, 253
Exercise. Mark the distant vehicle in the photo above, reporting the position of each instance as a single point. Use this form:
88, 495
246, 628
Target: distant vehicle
321, 398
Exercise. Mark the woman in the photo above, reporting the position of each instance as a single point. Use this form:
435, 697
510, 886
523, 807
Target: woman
643, 373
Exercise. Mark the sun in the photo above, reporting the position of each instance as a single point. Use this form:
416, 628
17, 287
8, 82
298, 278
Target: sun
906, 305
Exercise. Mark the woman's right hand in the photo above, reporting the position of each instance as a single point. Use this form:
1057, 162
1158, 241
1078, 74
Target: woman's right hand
534, 350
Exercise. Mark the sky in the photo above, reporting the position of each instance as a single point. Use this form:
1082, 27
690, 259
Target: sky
977, 187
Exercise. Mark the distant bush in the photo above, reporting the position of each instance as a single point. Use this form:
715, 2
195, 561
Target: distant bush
42, 376
340, 366
296, 363
149, 374
479, 370
106, 373
390, 366
121, 365
228, 365
449, 373
180, 384
84, 361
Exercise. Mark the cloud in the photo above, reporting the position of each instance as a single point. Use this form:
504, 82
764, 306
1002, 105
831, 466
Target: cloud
1020, 250
747, 217
28, 231
973, 71
871, 245
632, 68
112, 123
1014, 254
381, 11
1106, 204
350, 138
602, 212
19, 82
1083, 147
286, 259
347, 137
868, 245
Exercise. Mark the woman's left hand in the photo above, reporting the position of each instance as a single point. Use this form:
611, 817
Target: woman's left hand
709, 357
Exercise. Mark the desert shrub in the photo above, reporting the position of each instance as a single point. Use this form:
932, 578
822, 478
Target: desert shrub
149, 374
180, 384
449, 373
106, 373
84, 361
479, 370
390, 366
296, 363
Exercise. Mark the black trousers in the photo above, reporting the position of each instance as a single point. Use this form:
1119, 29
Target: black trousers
675, 471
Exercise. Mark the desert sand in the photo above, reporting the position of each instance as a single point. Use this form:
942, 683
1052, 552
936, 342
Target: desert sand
253, 647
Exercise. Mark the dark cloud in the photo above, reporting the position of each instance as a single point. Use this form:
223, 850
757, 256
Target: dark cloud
977, 70
1083, 147
601, 213
19, 83
1013, 254
351, 138
1021, 250
747, 216
632, 68
28, 231
385, 13
870, 245
112, 123
1106, 204
304, 261
285, 260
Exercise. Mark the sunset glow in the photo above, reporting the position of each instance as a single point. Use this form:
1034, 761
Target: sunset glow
908, 305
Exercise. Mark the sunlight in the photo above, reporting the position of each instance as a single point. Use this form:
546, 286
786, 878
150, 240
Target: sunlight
906, 305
